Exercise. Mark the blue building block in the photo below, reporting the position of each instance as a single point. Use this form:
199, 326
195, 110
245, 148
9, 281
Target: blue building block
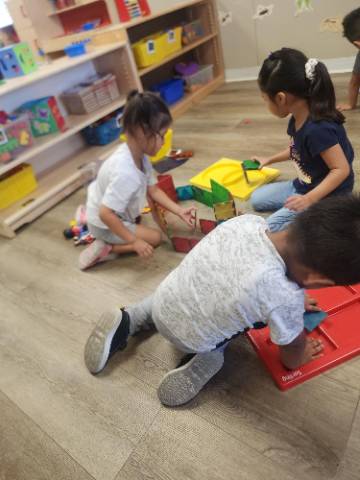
313, 319
185, 193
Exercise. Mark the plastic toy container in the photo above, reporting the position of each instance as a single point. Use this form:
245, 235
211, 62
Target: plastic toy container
203, 76
104, 132
165, 149
192, 31
75, 49
149, 50
16, 184
91, 94
171, 41
171, 91
15, 137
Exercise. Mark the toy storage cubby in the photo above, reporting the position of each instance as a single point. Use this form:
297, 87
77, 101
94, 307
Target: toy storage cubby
206, 50
62, 161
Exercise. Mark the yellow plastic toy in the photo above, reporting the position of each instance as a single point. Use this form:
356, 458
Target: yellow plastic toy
164, 150
229, 173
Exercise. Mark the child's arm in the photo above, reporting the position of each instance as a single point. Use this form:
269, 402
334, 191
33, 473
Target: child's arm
282, 156
353, 92
335, 159
141, 247
300, 351
160, 197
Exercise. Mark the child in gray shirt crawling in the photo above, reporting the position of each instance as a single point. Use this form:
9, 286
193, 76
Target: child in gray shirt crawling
238, 275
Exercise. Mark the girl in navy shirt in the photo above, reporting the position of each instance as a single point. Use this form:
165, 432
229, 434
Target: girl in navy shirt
319, 148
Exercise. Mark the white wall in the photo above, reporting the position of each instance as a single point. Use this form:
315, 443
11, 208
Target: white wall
247, 41
256, 38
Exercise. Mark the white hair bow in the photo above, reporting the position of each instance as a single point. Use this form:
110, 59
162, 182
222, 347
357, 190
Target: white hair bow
310, 68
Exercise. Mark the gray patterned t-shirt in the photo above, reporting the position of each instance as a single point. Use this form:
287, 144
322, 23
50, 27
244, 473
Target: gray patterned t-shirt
232, 279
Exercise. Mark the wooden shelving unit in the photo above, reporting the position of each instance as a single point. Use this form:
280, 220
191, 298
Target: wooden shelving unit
188, 48
53, 186
73, 7
206, 50
80, 164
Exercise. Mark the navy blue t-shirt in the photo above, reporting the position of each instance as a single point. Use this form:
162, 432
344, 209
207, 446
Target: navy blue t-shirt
308, 143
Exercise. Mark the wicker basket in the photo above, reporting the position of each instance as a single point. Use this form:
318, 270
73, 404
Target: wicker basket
91, 95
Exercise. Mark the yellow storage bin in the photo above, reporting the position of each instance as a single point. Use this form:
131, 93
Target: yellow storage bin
164, 150
16, 184
172, 40
149, 50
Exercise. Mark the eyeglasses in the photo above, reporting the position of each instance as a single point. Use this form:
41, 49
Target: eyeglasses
161, 136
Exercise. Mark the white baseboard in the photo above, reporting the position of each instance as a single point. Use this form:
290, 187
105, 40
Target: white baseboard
335, 65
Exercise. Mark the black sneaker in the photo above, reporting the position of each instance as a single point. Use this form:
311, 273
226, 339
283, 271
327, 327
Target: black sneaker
109, 335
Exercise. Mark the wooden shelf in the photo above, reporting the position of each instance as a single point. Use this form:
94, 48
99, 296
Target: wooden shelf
53, 187
114, 54
57, 67
176, 5
75, 123
73, 7
194, 97
188, 48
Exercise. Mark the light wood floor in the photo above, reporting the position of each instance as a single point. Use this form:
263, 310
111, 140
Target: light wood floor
58, 422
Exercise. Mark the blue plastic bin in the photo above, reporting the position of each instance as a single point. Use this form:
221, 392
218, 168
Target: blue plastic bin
76, 49
105, 132
171, 91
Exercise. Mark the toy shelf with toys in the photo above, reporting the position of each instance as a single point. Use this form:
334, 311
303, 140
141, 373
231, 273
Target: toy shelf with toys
183, 32
188, 66
61, 160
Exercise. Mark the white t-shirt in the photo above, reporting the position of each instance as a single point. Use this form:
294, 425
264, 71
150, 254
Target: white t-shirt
120, 186
232, 279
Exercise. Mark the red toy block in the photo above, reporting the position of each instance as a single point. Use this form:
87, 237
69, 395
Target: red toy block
339, 332
166, 183
206, 226
184, 245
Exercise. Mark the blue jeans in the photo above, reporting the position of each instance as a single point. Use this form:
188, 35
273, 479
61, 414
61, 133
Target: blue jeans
273, 197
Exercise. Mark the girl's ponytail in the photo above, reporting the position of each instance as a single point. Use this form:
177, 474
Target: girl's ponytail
322, 100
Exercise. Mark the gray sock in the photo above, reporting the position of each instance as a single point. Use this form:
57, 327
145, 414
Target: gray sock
140, 315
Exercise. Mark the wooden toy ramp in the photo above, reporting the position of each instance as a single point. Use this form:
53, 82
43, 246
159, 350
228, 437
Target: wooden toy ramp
230, 174
339, 332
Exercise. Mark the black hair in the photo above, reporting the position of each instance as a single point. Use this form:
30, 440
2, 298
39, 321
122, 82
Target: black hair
326, 238
145, 110
284, 71
351, 25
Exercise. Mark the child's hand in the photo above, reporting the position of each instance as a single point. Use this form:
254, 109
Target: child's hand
344, 107
263, 161
311, 304
313, 349
188, 215
142, 248
298, 203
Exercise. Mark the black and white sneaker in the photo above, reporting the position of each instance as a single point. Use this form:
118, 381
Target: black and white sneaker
109, 335
182, 384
